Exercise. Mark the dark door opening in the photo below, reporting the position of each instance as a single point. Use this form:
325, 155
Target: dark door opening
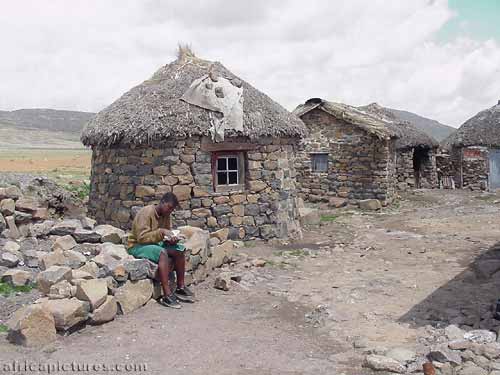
420, 159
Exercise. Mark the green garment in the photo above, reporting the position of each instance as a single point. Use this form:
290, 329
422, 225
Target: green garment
152, 251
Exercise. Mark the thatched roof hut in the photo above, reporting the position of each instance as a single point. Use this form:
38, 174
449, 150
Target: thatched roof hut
481, 130
352, 115
195, 129
153, 111
408, 135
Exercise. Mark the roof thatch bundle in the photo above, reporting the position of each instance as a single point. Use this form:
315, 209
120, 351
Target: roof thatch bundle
481, 130
352, 115
409, 136
153, 111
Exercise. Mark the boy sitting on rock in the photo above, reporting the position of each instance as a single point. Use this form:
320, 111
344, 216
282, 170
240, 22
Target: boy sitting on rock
152, 239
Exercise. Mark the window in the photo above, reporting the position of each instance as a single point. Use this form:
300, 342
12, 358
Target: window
319, 162
228, 171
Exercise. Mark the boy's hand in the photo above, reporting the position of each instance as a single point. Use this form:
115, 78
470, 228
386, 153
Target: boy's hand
168, 237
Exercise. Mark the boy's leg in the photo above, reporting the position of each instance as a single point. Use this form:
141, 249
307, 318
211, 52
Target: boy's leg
179, 264
164, 267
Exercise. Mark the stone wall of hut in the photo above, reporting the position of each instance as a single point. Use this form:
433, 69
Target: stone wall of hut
406, 173
471, 165
125, 179
360, 165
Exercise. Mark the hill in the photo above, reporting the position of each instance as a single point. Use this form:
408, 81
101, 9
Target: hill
431, 127
42, 128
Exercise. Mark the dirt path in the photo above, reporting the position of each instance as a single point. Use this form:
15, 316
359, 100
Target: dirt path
378, 280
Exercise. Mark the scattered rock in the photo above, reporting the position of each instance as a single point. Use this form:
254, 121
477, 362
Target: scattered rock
402, 355
223, 281
32, 326
85, 235
12, 247
62, 289
481, 336
17, 277
139, 269
64, 243
66, 227
109, 233
88, 223
370, 204
443, 354
67, 313
93, 291
259, 262
7, 207
9, 260
134, 294
382, 363
106, 312
52, 276
10, 192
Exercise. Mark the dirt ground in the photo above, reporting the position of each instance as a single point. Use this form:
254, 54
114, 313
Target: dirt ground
359, 280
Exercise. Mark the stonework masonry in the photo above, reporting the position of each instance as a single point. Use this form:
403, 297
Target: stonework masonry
126, 178
360, 165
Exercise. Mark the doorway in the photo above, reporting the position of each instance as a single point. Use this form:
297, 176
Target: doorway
494, 179
420, 159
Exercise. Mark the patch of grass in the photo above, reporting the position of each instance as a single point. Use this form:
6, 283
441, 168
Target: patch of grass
328, 218
81, 191
3, 328
7, 289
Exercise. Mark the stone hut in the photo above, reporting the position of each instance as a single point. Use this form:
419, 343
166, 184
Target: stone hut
475, 151
415, 151
224, 148
348, 154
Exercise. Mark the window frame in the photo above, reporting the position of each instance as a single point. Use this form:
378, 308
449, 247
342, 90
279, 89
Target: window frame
312, 156
240, 158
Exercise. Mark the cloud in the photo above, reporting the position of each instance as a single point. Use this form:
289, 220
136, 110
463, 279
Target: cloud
84, 54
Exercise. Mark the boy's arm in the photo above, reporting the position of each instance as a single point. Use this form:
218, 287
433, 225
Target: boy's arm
144, 232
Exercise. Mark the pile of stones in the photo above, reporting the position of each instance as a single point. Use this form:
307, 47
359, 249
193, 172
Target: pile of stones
448, 351
83, 270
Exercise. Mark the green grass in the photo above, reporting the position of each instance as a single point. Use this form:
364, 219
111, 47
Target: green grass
3, 328
7, 289
81, 191
328, 218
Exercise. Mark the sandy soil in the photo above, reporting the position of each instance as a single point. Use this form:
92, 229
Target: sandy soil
379, 278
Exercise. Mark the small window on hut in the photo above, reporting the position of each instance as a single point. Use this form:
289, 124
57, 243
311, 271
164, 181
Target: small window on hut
229, 171
319, 162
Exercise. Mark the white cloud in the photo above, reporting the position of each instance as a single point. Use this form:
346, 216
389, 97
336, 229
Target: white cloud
84, 54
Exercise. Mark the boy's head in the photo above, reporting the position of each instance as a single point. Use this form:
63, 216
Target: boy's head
168, 204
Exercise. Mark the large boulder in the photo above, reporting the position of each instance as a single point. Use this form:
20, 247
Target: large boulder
223, 281
42, 229
110, 233
116, 251
70, 258
27, 204
382, 363
17, 277
93, 291
22, 217
32, 325
14, 232
134, 294
197, 239
65, 227
106, 312
67, 313
91, 268
52, 276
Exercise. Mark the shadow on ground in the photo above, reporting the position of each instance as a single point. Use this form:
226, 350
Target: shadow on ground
465, 300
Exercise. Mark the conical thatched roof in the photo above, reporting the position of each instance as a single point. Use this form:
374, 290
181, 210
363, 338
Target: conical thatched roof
409, 136
481, 130
352, 115
153, 111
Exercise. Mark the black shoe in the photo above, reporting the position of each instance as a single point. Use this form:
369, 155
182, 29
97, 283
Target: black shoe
184, 294
169, 301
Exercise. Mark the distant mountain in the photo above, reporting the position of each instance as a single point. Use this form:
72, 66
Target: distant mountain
46, 119
431, 127
42, 128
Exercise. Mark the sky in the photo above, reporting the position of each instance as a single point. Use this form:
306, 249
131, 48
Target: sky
437, 58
